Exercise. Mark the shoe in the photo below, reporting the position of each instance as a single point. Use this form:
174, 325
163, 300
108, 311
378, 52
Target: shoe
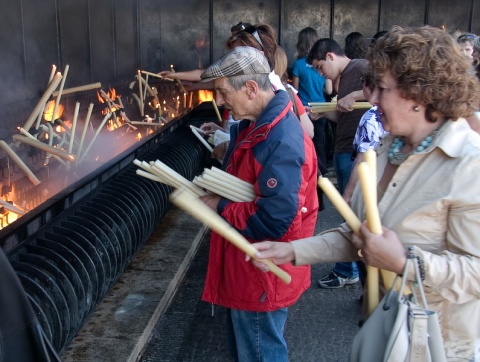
333, 281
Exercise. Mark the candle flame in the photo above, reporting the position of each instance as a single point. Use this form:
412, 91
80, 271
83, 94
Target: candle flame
48, 113
205, 96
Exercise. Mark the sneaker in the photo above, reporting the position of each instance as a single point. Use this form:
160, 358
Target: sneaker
333, 280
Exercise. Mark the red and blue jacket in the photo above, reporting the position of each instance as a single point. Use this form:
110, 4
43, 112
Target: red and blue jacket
278, 158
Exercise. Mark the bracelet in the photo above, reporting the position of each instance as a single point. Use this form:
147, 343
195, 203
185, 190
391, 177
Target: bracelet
421, 267
420, 262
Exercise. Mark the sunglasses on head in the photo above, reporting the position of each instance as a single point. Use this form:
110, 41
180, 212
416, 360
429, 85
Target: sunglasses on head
252, 30
464, 37
239, 27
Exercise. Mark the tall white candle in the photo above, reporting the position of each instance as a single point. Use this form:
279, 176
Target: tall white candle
84, 132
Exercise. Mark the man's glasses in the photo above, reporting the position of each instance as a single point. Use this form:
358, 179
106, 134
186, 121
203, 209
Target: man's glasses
252, 30
239, 27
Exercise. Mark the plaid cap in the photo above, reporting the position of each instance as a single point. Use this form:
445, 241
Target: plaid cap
239, 61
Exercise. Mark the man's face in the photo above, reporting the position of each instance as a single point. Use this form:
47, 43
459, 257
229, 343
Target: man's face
467, 49
325, 67
236, 102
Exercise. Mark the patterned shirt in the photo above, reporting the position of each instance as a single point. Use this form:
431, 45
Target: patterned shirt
369, 131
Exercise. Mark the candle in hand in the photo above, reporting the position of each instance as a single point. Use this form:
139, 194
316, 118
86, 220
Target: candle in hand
340, 204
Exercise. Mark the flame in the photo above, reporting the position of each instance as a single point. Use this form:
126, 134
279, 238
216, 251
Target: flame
139, 136
112, 95
205, 96
48, 113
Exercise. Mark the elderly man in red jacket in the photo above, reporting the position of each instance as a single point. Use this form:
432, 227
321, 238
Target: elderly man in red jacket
269, 149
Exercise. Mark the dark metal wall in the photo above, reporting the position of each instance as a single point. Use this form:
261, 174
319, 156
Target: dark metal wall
107, 40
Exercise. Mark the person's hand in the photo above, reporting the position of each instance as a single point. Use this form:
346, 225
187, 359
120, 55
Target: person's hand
384, 251
220, 150
210, 127
313, 115
167, 74
345, 104
277, 252
347, 196
211, 201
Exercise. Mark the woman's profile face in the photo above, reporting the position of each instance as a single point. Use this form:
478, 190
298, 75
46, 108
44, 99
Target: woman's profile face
396, 112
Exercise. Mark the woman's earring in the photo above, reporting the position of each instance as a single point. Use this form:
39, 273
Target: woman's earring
416, 108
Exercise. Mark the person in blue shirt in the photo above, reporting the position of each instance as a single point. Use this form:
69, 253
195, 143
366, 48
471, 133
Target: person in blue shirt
312, 87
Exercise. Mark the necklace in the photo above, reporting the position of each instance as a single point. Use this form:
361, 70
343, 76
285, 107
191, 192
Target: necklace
395, 157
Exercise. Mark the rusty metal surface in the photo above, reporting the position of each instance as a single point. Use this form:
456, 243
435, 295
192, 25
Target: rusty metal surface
405, 12
74, 41
298, 15
360, 15
229, 13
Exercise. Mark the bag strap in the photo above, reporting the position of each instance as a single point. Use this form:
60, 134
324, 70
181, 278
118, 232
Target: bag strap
418, 325
292, 98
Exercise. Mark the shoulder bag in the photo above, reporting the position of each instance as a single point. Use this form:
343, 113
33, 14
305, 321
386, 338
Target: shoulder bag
401, 328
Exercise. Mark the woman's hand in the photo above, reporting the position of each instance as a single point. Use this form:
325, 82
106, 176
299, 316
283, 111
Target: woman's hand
277, 252
384, 251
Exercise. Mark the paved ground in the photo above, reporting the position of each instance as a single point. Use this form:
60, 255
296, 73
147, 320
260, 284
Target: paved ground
320, 326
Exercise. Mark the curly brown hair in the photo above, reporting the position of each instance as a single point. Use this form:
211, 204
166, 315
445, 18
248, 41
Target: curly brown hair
429, 69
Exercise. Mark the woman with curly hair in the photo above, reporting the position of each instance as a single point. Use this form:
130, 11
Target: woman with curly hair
428, 169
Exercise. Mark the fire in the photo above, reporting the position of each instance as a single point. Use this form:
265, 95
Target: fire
205, 96
49, 109
139, 136
112, 96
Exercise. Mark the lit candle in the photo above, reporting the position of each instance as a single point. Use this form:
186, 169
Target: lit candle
79, 89
340, 204
216, 111
140, 92
59, 95
74, 127
84, 132
97, 132
42, 146
41, 103
54, 69
31, 176
184, 100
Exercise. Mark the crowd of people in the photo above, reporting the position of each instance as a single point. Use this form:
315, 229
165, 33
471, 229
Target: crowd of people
424, 89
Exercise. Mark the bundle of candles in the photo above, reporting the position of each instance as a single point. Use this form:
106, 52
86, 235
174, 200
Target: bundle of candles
187, 201
368, 181
214, 180
225, 185
318, 107
186, 197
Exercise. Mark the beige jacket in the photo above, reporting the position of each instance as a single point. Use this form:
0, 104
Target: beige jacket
432, 203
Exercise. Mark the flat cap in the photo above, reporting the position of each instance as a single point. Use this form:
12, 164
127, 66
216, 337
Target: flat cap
239, 61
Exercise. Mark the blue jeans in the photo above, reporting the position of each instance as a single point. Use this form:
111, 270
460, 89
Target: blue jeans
343, 163
257, 336
346, 270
